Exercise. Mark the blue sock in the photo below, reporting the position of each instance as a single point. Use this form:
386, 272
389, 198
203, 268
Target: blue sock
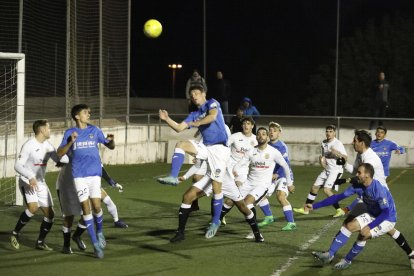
177, 161
266, 210
355, 250
217, 205
289, 215
340, 239
99, 222
90, 227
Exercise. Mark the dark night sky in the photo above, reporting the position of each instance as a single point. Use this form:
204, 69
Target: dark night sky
267, 49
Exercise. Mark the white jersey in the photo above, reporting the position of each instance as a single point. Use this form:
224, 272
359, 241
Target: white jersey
32, 160
239, 145
262, 164
369, 156
326, 148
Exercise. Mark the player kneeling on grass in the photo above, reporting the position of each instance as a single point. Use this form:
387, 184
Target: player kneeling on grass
379, 219
31, 166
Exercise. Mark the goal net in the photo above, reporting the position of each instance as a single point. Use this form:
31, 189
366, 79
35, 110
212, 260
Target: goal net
12, 82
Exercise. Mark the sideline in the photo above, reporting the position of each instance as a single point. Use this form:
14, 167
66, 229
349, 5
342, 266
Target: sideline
303, 248
396, 178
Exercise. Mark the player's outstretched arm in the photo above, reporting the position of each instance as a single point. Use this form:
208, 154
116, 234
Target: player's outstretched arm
178, 127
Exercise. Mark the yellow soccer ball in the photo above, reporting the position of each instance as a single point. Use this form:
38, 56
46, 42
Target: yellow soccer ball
152, 28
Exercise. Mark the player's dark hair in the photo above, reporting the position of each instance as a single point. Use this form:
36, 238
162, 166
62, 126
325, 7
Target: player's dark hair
333, 127
196, 85
368, 168
364, 136
263, 128
382, 128
248, 118
77, 109
37, 124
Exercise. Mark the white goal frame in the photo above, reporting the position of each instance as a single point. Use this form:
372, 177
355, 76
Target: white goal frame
20, 66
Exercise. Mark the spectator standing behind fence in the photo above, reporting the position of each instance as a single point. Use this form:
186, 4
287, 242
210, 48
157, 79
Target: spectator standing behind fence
235, 123
250, 110
222, 91
381, 93
195, 78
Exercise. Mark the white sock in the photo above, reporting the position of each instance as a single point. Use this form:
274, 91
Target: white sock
111, 208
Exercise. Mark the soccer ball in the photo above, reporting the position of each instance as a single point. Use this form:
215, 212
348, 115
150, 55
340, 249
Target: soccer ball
152, 28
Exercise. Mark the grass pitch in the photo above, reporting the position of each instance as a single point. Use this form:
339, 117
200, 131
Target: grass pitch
150, 209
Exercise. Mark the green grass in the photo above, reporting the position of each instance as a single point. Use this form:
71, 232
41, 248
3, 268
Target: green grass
150, 209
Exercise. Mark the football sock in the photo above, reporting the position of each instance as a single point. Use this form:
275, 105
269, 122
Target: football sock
340, 239
336, 206
251, 220
224, 210
79, 230
66, 236
45, 228
287, 211
23, 220
90, 227
99, 221
177, 161
111, 208
217, 206
311, 198
402, 242
355, 250
265, 206
251, 207
183, 214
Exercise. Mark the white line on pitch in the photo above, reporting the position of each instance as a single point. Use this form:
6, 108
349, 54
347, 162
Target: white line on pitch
303, 248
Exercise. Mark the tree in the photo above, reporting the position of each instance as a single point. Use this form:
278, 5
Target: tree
386, 46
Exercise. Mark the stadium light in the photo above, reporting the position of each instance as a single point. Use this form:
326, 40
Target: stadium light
174, 67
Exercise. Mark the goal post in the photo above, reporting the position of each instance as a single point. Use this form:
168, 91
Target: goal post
12, 93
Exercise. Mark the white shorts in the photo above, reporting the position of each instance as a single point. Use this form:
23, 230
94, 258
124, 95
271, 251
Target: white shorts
327, 179
41, 195
228, 187
278, 185
258, 191
88, 187
241, 172
68, 198
377, 231
217, 157
203, 168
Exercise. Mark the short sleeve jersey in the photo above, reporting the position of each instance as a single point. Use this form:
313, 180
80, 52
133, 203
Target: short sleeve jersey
215, 132
283, 149
85, 152
326, 148
384, 150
